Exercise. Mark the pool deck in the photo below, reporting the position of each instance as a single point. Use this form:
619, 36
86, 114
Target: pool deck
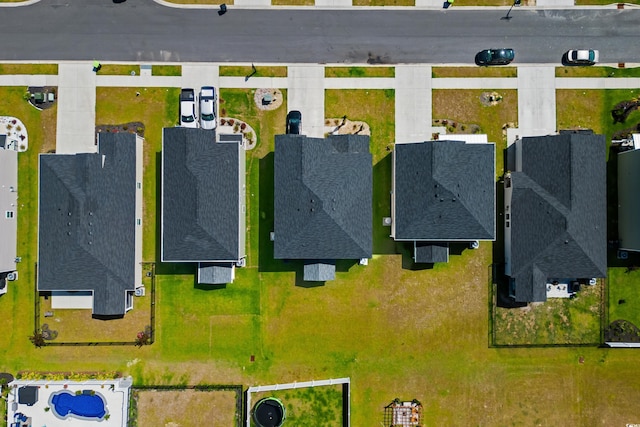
115, 392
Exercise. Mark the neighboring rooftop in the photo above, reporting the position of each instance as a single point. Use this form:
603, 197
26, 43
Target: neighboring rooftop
558, 212
628, 200
203, 192
323, 197
87, 217
444, 191
8, 209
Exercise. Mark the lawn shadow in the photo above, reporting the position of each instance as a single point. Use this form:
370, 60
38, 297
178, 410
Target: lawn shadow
382, 242
204, 287
266, 261
165, 268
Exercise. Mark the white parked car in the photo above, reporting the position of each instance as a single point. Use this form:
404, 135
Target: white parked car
582, 57
208, 107
188, 117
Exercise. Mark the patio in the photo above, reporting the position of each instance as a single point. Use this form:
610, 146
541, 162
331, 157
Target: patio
13, 134
28, 402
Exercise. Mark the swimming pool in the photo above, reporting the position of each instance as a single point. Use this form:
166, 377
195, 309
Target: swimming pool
88, 405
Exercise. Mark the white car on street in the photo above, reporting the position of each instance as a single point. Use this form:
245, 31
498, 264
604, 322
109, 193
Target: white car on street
582, 57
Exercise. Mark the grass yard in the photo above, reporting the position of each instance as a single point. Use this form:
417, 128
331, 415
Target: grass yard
77, 326
245, 70
156, 108
293, 2
195, 407
591, 109
396, 332
28, 68
624, 295
17, 304
437, 72
359, 72
557, 321
309, 406
119, 69
166, 70
597, 72
384, 2
464, 106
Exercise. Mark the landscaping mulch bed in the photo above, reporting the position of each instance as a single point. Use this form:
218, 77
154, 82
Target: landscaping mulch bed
130, 127
46, 90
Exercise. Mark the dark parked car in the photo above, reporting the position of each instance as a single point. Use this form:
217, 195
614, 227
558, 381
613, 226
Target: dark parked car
495, 57
294, 122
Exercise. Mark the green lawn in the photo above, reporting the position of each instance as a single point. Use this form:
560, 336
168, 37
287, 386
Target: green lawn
591, 109
308, 406
597, 72
557, 321
359, 72
166, 70
397, 332
28, 68
437, 72
119, 69
246, 70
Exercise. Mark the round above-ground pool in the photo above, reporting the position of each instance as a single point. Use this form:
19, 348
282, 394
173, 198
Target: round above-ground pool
88, 405
269, 412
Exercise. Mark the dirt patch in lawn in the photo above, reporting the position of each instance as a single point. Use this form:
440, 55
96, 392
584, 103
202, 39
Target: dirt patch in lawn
176, 408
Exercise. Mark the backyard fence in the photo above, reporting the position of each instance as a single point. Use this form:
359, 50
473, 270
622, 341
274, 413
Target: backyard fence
345, 382
152, 318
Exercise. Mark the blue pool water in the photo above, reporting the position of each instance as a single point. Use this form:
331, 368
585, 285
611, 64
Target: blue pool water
84, 405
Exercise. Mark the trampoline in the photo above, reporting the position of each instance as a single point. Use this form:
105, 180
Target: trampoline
269, 412
87, 405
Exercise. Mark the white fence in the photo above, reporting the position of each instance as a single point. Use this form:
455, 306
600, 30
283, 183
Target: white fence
304, 384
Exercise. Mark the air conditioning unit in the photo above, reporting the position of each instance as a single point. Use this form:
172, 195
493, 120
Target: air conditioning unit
12, 276
139, 291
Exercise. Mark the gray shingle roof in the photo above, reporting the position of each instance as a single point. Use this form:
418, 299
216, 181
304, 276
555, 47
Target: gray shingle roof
628, 200
319, 271
430, 252
87, 222
323, 197
558, 212
444, 190
201, 184
8, 209
215, 274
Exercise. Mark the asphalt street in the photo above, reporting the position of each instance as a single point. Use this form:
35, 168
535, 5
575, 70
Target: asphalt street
141, 30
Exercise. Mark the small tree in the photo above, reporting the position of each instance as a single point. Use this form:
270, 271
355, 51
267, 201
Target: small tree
144, 337
37, 339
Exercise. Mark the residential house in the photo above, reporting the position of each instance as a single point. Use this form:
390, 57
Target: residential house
628, 200
322, 201
555, 214
203, 202
8, 213
90, 226
442, 191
